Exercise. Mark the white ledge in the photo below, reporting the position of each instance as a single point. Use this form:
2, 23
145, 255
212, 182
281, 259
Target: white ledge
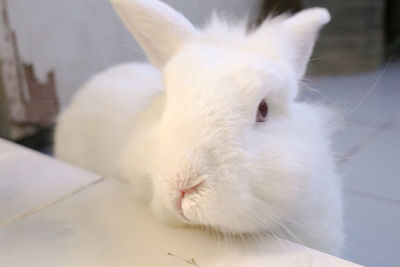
96, 222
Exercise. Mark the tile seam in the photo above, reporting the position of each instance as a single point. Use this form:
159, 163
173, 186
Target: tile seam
373, 196
49, 204
365, 141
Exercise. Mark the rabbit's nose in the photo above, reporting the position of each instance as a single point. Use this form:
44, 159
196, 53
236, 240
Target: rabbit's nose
189, 190
182, 194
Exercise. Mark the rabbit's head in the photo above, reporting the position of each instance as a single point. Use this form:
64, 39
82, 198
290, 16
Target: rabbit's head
226, 154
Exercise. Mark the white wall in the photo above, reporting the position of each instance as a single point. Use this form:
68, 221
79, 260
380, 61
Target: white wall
77, 38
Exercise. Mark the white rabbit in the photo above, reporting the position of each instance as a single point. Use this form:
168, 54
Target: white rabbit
214, 135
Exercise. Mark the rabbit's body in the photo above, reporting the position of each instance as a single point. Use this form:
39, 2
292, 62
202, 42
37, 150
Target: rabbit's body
94, 128
190, 139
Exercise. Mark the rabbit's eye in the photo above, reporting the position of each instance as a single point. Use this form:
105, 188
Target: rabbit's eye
262, 111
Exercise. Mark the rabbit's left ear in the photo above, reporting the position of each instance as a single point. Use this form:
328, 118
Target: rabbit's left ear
159, 29
303, 30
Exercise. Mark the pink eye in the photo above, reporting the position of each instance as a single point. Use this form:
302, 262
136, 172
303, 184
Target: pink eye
262, 111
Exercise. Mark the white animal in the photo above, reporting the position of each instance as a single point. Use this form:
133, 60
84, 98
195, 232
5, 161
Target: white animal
212, 135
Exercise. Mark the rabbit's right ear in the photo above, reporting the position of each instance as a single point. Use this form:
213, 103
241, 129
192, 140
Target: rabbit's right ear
159, 29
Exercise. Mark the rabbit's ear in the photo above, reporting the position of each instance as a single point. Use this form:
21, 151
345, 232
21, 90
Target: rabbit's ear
159, 29
303, 30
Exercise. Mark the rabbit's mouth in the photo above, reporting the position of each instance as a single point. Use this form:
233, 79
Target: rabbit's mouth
186, 201
180, 211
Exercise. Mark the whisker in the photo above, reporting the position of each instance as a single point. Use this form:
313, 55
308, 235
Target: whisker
373, 87
136, 50
320, 58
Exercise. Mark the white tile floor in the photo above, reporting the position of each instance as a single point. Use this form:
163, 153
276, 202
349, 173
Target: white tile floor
370, 144
96, 222
40, 190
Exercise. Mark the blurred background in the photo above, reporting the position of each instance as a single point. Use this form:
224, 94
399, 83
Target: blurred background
48, 49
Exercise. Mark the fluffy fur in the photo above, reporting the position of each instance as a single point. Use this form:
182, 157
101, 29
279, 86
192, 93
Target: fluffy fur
191, 124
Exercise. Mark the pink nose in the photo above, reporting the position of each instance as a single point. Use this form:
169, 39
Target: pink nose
183, 193
187, 191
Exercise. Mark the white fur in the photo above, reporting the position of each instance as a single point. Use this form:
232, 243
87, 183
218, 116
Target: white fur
277, 176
